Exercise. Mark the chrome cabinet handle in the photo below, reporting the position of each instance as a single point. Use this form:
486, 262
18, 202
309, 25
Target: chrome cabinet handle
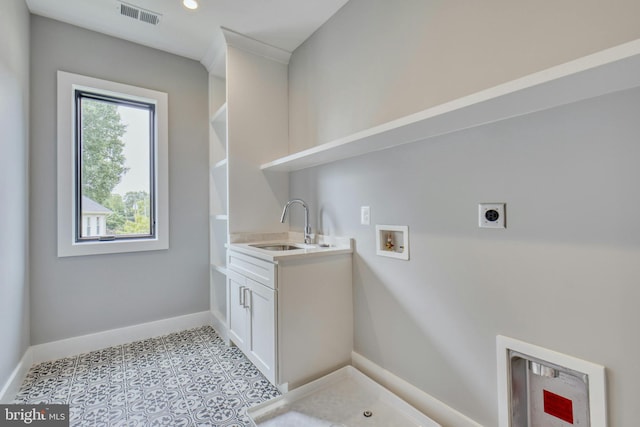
247, 298
241, 296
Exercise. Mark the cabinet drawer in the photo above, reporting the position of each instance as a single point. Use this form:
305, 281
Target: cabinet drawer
253, 268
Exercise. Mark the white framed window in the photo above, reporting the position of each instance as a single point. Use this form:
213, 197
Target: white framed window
112, 167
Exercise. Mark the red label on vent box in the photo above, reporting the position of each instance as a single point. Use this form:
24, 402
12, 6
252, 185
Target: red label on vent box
558, 406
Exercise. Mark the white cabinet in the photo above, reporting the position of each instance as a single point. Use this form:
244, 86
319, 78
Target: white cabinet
252, 321
293, 318
261, 337
237, 311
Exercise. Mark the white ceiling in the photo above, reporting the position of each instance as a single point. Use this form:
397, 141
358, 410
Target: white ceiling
196, 34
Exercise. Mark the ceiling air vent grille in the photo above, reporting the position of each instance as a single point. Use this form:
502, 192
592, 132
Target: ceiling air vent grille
129, 11
149, 17
139, 13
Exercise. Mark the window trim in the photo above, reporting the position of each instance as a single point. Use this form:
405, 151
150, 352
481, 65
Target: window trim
68, 83
79, 95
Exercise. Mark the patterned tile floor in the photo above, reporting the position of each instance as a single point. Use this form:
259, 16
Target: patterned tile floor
190, 378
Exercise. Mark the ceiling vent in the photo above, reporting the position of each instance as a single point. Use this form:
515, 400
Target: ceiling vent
138, 13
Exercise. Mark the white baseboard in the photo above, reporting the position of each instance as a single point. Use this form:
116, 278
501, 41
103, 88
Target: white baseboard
12, 386
429, 405
91, 342
219, 323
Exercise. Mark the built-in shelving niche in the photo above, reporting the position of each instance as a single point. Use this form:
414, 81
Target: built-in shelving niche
607, 71
218, 215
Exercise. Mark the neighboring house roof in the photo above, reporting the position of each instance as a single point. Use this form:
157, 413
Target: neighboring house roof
91, 206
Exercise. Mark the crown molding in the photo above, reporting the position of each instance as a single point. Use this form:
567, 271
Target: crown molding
255, 47
214, 59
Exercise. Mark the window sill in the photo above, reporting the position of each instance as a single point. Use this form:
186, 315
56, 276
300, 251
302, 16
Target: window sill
112, 247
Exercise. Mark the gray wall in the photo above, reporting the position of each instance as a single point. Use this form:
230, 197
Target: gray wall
80, 295
563, 275
377, 60
14, 183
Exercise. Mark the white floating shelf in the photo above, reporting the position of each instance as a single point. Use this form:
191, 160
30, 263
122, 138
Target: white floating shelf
220, 116
220, 164
219, 268
604, 72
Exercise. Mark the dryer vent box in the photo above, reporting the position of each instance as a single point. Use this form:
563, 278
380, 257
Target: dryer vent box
542, 388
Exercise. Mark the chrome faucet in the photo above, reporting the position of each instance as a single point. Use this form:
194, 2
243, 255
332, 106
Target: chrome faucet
307, 227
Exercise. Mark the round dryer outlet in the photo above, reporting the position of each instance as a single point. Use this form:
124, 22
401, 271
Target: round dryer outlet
491, 215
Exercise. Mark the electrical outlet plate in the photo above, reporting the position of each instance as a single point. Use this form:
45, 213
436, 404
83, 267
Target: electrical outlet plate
492, 215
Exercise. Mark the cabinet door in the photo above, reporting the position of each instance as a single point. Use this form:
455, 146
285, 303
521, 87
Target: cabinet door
237, 309
261, 339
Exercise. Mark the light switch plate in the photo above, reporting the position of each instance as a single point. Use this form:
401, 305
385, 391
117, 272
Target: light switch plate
365, 215
492, 215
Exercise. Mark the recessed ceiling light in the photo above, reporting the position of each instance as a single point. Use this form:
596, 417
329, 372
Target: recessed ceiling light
190, 4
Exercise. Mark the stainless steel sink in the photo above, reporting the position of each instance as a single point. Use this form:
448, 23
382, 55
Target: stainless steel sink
276, 246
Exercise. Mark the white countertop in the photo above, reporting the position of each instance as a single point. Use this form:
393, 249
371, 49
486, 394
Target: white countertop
326, 245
